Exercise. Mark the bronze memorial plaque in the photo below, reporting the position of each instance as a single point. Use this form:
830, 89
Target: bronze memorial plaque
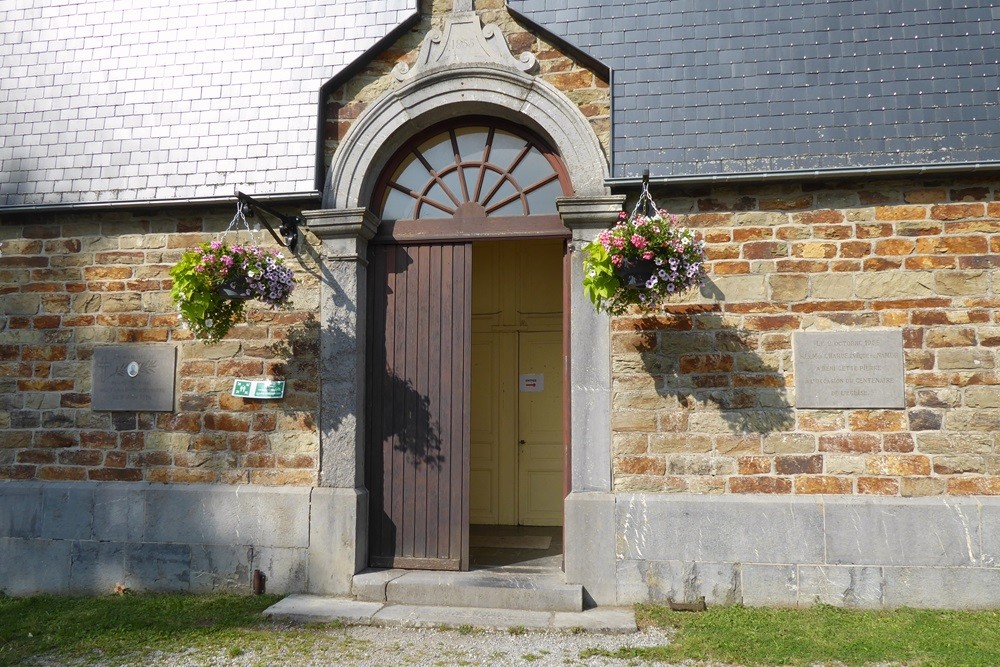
134, 378
848, 369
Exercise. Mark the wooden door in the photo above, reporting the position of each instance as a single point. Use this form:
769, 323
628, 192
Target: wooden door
419, 358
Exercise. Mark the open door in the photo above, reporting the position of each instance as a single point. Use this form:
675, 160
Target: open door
418, 405
465, 180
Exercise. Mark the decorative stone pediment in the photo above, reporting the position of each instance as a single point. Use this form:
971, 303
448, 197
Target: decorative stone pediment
464, 41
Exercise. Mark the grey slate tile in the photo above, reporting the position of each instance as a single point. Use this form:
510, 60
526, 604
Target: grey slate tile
928, 74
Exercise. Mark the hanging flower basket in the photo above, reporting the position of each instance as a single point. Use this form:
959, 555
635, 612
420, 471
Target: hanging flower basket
635, 272
641, 261
213, 283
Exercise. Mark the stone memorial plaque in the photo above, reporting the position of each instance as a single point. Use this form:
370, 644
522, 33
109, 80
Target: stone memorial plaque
134, 378
848, 369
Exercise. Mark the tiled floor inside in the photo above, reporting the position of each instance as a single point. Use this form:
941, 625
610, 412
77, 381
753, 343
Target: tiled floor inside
515, 557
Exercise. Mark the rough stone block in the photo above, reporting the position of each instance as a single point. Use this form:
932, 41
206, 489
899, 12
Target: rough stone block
789, 443
591, 561
736, 289
788, 287
20, 509
989, 514
67, 511
158, 567
287, 570
96, 568
961, 282
338, 539
205, 514
769, 585
965, 359
34, 566
895, 285
832, 286
972, 420
841, 586
746, 529
982, 397
659, 581
226, 568
941, 587
119, 513
860, 531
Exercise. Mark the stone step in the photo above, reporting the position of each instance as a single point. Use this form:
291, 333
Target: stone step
320, 609
479, 588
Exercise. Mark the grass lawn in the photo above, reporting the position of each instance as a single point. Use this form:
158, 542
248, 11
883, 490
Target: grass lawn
124, 629
824, 636
131, 626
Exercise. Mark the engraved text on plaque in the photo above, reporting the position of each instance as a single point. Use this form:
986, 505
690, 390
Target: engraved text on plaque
848, 369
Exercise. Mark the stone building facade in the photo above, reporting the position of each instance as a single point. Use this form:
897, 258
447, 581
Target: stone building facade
690, 469
705, 392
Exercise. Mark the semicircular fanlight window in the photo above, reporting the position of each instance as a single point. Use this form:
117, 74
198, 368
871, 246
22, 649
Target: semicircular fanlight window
479, 171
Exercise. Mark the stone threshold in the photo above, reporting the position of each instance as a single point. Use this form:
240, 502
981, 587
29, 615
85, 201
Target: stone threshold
303, 608
502, 588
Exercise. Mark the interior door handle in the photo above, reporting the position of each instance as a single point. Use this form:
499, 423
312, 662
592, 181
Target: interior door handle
521, 442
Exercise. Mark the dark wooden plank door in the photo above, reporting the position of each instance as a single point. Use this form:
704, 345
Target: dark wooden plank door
418, 405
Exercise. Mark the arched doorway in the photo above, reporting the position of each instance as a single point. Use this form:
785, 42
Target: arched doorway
471, 200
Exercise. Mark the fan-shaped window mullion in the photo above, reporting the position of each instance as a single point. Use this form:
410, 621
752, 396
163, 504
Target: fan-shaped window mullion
521, 193
426, 196
482, 168
505, 175
458, 165
437, 179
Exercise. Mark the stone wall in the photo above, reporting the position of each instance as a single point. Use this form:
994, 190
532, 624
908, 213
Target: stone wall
704, 393
71, 282
580, 85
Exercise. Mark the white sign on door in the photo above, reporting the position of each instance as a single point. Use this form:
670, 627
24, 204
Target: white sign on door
532, 382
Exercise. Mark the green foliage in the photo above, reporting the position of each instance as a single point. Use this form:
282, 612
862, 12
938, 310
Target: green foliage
642, 261
195, 293
244, 271
600, 283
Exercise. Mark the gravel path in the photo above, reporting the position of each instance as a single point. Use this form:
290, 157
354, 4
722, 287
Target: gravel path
372, 646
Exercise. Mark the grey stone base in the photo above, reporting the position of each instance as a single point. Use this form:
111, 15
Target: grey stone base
81, 537
315, 609
786, 551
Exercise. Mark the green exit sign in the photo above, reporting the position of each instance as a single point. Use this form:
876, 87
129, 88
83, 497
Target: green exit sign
259, 388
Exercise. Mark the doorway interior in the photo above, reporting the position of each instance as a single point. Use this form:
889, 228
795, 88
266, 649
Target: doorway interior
465, 411
516, 444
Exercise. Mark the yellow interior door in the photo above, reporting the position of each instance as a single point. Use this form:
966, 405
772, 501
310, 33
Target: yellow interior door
540, 441
517, 332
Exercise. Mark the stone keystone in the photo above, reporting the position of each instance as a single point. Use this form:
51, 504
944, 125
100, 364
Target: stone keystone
464, 41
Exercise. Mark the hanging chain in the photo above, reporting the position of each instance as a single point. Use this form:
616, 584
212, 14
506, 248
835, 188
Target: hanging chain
646, 204
235, 223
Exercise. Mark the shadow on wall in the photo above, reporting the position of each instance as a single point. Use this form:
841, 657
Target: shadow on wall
412, 430
698, 356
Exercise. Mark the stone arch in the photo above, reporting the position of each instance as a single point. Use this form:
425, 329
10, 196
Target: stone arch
445, 92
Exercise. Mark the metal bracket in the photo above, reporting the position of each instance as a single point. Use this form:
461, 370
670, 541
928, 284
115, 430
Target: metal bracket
289, 228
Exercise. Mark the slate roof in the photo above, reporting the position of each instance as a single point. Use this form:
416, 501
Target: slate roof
124, 100
708, 87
